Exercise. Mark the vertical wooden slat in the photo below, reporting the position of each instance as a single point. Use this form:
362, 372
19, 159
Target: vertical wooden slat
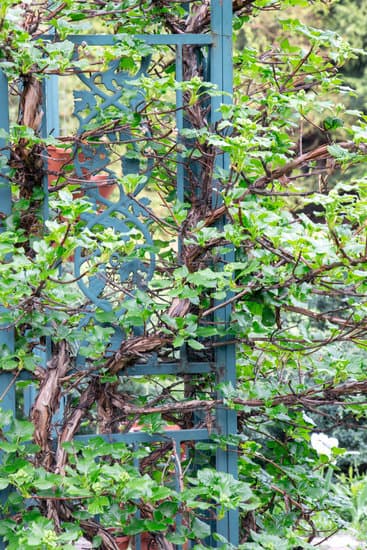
6, 334
7, 389
180, 124
221, 69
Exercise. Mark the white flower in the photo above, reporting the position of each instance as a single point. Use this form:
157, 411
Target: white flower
323, 444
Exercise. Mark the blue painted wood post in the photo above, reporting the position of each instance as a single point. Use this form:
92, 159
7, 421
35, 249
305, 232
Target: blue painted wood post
7, 388
221, 68
6, 334
51, 119
50, 122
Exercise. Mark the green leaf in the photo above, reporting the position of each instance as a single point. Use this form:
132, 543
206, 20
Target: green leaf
268, 316
339, 152
98, 504
194, 344
4, 483
200, 529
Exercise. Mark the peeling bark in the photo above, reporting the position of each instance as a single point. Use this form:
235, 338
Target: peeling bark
133, 349
72, 423
31, 103
48, 402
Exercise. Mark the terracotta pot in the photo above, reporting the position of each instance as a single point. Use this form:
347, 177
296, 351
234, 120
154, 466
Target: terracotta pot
122, 542
58, 158
105, 188
147, 542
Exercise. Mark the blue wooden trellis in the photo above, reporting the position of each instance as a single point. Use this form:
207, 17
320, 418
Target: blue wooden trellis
218, 44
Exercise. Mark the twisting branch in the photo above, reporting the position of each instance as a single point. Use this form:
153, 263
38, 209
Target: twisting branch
313, 397
48, 401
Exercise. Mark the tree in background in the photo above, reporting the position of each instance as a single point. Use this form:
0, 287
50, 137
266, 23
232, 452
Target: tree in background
348, 18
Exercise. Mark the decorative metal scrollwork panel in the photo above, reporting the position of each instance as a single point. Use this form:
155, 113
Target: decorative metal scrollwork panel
105, 153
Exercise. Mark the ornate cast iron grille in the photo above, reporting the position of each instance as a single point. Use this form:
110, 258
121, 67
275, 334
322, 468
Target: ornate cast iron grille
126, 214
